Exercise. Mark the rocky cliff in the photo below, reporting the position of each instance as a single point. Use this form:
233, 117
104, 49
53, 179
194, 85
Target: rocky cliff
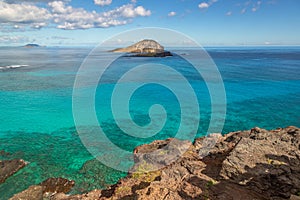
254, 164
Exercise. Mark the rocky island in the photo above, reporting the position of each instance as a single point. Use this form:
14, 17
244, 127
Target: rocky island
144, 48
247, 165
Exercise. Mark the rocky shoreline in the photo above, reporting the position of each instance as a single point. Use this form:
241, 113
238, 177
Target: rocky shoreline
253, 164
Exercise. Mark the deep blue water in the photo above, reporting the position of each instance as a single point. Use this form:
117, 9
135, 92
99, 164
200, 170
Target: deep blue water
262, 87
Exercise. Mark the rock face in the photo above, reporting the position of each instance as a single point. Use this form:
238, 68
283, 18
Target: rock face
9, 167
266, 162
254, 164
145, 48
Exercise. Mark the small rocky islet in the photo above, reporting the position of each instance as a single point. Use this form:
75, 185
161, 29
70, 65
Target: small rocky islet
253, 164
144, 48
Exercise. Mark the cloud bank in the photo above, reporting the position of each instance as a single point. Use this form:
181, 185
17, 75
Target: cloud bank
61, 15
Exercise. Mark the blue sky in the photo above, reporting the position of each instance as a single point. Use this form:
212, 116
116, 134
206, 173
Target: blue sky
209, 22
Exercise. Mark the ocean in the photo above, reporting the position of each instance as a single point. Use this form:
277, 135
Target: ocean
38, 113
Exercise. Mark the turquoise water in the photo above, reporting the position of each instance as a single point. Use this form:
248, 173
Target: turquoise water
36, 121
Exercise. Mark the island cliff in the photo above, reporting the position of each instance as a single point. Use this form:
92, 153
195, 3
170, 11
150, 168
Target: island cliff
145, 48
253, 164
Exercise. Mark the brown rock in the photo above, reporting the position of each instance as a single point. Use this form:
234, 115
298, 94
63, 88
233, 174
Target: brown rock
294, 197
92, 195
9, 167
57, 185
159, 154
47, 189
33, 192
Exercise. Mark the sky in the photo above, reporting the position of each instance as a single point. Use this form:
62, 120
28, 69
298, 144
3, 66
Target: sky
209, 22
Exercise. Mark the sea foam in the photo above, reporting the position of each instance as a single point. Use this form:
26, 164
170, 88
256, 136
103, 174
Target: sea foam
12, 66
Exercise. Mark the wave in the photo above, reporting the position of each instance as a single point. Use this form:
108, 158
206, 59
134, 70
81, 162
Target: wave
12, 66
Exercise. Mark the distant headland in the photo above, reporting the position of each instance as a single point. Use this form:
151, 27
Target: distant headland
145, 48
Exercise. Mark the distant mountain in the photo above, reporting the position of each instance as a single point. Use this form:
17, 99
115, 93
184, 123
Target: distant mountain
31, 45
145, 48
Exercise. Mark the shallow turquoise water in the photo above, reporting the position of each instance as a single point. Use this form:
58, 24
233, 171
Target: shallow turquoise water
36, 121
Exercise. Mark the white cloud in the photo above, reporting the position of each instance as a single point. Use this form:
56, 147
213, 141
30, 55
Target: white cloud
129, 11
133, 1
63, 16
206, 5
30, 1
203, 5
141, 11
59, 7
171, 14
68, 17
23, 13
243, 10
103, 2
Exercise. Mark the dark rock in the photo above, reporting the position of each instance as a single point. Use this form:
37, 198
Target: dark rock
9, 167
